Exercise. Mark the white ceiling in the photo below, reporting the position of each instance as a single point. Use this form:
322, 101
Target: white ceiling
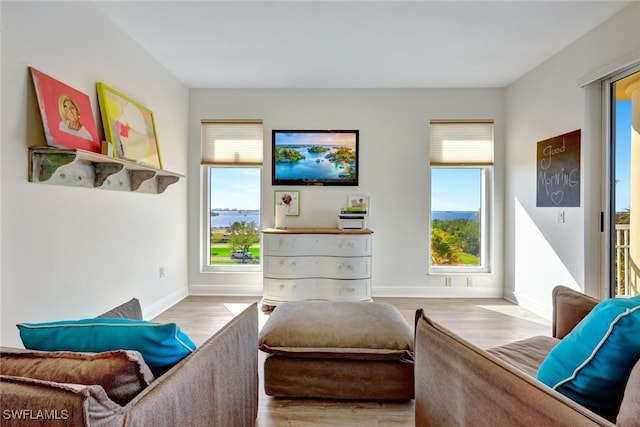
355, 44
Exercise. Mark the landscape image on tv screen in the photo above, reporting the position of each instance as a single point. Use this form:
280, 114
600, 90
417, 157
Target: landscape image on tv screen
313, 157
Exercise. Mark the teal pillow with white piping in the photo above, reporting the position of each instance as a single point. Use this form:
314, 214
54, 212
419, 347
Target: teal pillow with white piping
161, 344
591, 365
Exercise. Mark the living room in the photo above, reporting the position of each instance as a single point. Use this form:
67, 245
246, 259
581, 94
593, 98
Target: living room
71, 252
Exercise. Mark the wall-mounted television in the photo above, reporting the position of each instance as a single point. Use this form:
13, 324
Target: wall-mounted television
315, 157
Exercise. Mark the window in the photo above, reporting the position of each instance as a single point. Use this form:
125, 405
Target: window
232, 166
461, 165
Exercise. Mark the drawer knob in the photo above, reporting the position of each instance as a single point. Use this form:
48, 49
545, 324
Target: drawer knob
348, 243
349, 267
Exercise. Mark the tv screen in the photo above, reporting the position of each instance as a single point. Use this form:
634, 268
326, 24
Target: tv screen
315, 157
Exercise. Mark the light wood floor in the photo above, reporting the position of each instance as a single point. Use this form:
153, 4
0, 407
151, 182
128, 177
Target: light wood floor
484, 322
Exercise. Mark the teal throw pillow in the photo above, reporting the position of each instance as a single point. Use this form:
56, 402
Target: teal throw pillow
591, 365
161, 344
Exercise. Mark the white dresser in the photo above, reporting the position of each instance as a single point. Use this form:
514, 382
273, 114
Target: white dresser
316, 263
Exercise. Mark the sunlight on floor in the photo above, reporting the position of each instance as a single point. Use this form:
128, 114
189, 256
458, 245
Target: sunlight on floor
516, 312
237, 308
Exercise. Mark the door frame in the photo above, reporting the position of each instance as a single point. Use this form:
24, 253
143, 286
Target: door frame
607, 215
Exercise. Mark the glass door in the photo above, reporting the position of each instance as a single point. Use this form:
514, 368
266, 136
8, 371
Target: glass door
625, 185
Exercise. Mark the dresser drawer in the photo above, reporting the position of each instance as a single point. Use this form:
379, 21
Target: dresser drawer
316, 266
317, 244
280, 290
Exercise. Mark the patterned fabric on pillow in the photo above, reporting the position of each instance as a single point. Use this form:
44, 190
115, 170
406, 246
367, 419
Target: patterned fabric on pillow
592, 364
162, 345
122, 374
128, 310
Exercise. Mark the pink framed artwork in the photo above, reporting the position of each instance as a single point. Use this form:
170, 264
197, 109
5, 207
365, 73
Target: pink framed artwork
66, 114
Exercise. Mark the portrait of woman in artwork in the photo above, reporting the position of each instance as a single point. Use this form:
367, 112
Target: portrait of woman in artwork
70, 118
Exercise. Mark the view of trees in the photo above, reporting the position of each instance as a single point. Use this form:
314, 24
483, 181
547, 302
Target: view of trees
242, 235
455, 242
239, 236
623, 217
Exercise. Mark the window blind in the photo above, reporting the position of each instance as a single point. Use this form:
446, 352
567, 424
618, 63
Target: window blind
232, 143
461, 143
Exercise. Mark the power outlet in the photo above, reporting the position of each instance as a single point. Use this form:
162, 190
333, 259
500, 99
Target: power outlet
161, 271
469, 282
447, 281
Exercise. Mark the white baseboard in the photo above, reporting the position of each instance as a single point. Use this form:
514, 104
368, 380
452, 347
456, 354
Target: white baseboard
226, 290
510, 296
438, 292
159, 306
542, 310
413, 292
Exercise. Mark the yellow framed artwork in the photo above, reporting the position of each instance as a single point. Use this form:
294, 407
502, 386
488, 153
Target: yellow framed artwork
129, 127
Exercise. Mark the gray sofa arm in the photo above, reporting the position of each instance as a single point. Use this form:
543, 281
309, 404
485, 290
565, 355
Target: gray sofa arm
459, 384
569, 308
217, 385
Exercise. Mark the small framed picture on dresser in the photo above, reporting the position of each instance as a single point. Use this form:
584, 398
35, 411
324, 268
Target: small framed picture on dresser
358, 202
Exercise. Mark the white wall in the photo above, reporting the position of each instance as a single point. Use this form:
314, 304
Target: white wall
75, 252
540, 252
393, 156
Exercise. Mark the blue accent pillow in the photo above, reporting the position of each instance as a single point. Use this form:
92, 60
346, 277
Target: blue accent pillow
161, 344
591, 365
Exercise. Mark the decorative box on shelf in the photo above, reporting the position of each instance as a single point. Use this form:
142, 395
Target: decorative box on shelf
80, 168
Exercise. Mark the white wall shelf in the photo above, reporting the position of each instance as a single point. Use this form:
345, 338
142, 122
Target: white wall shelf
79, 168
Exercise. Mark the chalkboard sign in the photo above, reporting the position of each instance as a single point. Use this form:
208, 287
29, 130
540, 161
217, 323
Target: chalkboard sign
558, 168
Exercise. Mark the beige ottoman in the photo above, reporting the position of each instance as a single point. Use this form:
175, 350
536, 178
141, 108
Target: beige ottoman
338, 350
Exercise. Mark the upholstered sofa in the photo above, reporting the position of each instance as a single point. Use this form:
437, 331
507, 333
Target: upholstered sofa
459, 384
214, 385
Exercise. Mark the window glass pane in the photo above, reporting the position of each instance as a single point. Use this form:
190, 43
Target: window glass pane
456, 200
234, 215
626, 163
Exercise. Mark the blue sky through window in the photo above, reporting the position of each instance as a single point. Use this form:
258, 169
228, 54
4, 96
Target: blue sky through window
455, 189
235, 188
623, 155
